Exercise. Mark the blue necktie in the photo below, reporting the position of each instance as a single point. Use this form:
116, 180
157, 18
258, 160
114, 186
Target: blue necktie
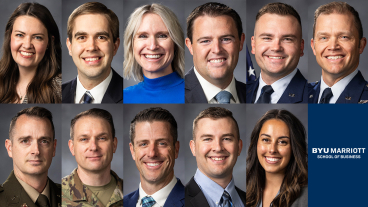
87, 98
148, 201
326, 96
223, 97
226, 200
265, 96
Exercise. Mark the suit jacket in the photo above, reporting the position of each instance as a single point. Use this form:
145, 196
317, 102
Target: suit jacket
355, 92
175, 198
13, 194
302, 200
295, 92
194, 92
113, 94
194, 196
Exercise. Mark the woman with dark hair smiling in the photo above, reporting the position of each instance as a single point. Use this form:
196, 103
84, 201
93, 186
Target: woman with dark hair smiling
30, 68
277, 168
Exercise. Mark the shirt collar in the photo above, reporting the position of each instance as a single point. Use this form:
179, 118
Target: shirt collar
160, 196
97, 92
210, 90
337, 88
163, 82
33, 193
278, 86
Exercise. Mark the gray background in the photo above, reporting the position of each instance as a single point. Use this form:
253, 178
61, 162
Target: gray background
69, 112
300, 6
131, 173
69, 68
130, 6
239, 6
192, 111
315, 70
8, 111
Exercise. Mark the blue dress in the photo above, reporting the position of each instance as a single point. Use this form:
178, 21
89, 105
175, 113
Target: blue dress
165, 89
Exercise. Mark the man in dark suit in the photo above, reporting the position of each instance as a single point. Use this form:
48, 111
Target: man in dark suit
278, 45
337, 44
93, 40
214, 38
216, 145
154, 147
31, 145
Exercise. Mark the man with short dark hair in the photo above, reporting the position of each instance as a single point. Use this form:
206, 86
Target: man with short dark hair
32, 146
337, 44
216, 145
93, 143
278, 45
93, 40
214, 38
154, 147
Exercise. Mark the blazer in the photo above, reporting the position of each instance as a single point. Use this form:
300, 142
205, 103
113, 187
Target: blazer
295, 92
355, 92
12, 194
114, 92
194, 92
175, 198
302, 200
194, 196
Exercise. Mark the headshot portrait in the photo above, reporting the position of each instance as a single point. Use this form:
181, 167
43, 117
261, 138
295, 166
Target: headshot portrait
92, 41
30, 65
337, 43
91, 176
154, 55
277, 45
30, 174
214, 38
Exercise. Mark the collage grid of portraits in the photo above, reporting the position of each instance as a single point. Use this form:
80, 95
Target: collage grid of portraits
315, 118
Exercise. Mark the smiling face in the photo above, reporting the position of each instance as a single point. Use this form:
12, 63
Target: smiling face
32, 146
28, 42
153, 47
273, 147
215, 48
154, 152
216, 147
277, 45
92, 47
93, 145
336, 45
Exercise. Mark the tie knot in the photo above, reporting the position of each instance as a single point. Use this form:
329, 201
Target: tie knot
267, 89
265, 96
226, 199
88, 98
326, 96
148, 201
42, 201
223, 97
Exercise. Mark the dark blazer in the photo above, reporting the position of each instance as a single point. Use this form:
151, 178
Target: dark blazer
114, 92
175, 198
194, 196
14, 195
302, 200
355, 92
295, 92
194, 92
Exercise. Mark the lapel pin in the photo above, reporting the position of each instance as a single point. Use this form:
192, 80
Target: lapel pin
311, 96
366, 85
24, 205
348, 98
291, 95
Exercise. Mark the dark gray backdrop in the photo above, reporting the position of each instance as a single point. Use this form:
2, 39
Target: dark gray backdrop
300, 6
69, 68
315, 70
131, 173
8, 111
69, 112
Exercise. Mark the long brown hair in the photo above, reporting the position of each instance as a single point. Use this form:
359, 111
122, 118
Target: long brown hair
41, 89
296, 174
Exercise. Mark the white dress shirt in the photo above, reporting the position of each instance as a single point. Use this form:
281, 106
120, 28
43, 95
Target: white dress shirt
337, 88
278, 86
97, 92
160, 196
210, 90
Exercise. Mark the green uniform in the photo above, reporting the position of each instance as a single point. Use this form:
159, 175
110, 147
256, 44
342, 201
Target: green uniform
76, 194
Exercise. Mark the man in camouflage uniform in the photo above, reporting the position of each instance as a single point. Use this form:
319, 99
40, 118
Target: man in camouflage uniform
92, 142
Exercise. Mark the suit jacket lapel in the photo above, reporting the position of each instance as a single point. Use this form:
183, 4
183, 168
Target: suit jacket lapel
251, 91
196, 196
114, 92
55, 194
295, 92
241, 91
177, 196
313, 92
353, 90
193, 90
133, 200
69, 94
16, 195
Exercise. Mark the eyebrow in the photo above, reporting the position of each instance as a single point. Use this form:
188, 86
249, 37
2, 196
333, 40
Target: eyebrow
29, 137
25, 33
101, 134
210, 37
81, 33
271, 35
277, 137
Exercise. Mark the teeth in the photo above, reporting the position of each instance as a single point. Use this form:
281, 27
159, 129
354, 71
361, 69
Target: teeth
275, 57
273, 159
91, 59
217, 158
26, 53
153, 56
217, 60
152, 164
334, 57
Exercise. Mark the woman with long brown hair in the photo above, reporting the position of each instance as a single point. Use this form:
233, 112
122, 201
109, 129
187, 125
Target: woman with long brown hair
277, 168
30, 68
